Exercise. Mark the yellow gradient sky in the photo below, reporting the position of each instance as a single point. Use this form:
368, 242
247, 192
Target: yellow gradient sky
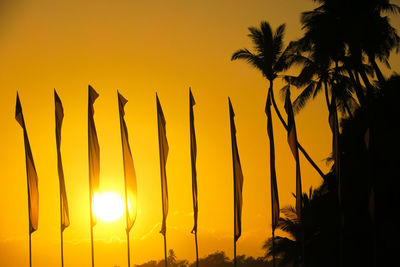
140, 48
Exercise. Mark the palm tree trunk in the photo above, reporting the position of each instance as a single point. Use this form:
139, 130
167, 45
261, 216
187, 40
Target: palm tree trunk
271, 91
326, 94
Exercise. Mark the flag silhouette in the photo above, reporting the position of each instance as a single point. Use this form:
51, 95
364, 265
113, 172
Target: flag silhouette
94, 152
193, 155
274, 187
292, 140
163, 149
32, 178
59, 114
237, 176
129, 168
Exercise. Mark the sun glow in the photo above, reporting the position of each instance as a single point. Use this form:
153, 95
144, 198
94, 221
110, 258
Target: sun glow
108, 206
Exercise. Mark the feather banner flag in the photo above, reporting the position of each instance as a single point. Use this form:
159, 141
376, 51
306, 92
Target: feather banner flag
292, 140
32, 178
163, 149
193, 155
237, 176
94, 152
274, 187
129, 168
59, 113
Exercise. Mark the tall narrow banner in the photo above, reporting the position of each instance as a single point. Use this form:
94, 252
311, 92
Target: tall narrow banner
193, 155
274, 186
129, 168
237, 176
94, 152
59, 114
163, 150
32, 178
334, 124
292, 140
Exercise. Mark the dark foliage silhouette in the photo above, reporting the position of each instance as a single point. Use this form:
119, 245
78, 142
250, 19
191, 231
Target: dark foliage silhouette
366, 238
216, 259
339, 54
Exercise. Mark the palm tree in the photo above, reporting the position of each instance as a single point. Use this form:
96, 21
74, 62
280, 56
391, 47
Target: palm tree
317, 74
379, 42
270, 58
287, 249
325, 37
349, 31
316, 231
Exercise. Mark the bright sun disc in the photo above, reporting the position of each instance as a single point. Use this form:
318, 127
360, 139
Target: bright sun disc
108, 206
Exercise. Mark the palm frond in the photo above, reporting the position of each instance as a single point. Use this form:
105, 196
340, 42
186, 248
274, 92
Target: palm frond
286, 59
306, 75
249, 57
283, 91
390, 8
317, 89
304, 97
277, 43
258, 39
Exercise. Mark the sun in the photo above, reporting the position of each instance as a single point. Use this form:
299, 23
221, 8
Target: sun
108, 206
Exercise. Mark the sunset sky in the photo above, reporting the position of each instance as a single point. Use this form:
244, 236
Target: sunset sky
140, 48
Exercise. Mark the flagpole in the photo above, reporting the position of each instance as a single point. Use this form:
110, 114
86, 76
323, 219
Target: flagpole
197, 249
61, 232
91, 229
91, 240
234, 190
234, 219
273, 247
127, 226
234, 253
274, 189
30, 249
129, 254
234, 226
193, 152
94, 163
30, 233
127, 231
165, 248
162, 171
62, 250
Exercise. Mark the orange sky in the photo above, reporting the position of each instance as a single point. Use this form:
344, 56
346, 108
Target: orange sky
140, 48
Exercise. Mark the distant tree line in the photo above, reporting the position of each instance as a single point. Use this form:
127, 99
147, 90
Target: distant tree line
216, 259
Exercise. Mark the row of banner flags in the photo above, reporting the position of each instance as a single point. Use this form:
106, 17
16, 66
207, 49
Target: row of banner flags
129, 169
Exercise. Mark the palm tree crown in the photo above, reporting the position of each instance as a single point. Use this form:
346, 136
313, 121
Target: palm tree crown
268, 55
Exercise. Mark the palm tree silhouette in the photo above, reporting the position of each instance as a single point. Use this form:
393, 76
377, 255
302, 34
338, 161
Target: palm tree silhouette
270, 58
317, 75
379, 42
319, 226
287, 249
349, 31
